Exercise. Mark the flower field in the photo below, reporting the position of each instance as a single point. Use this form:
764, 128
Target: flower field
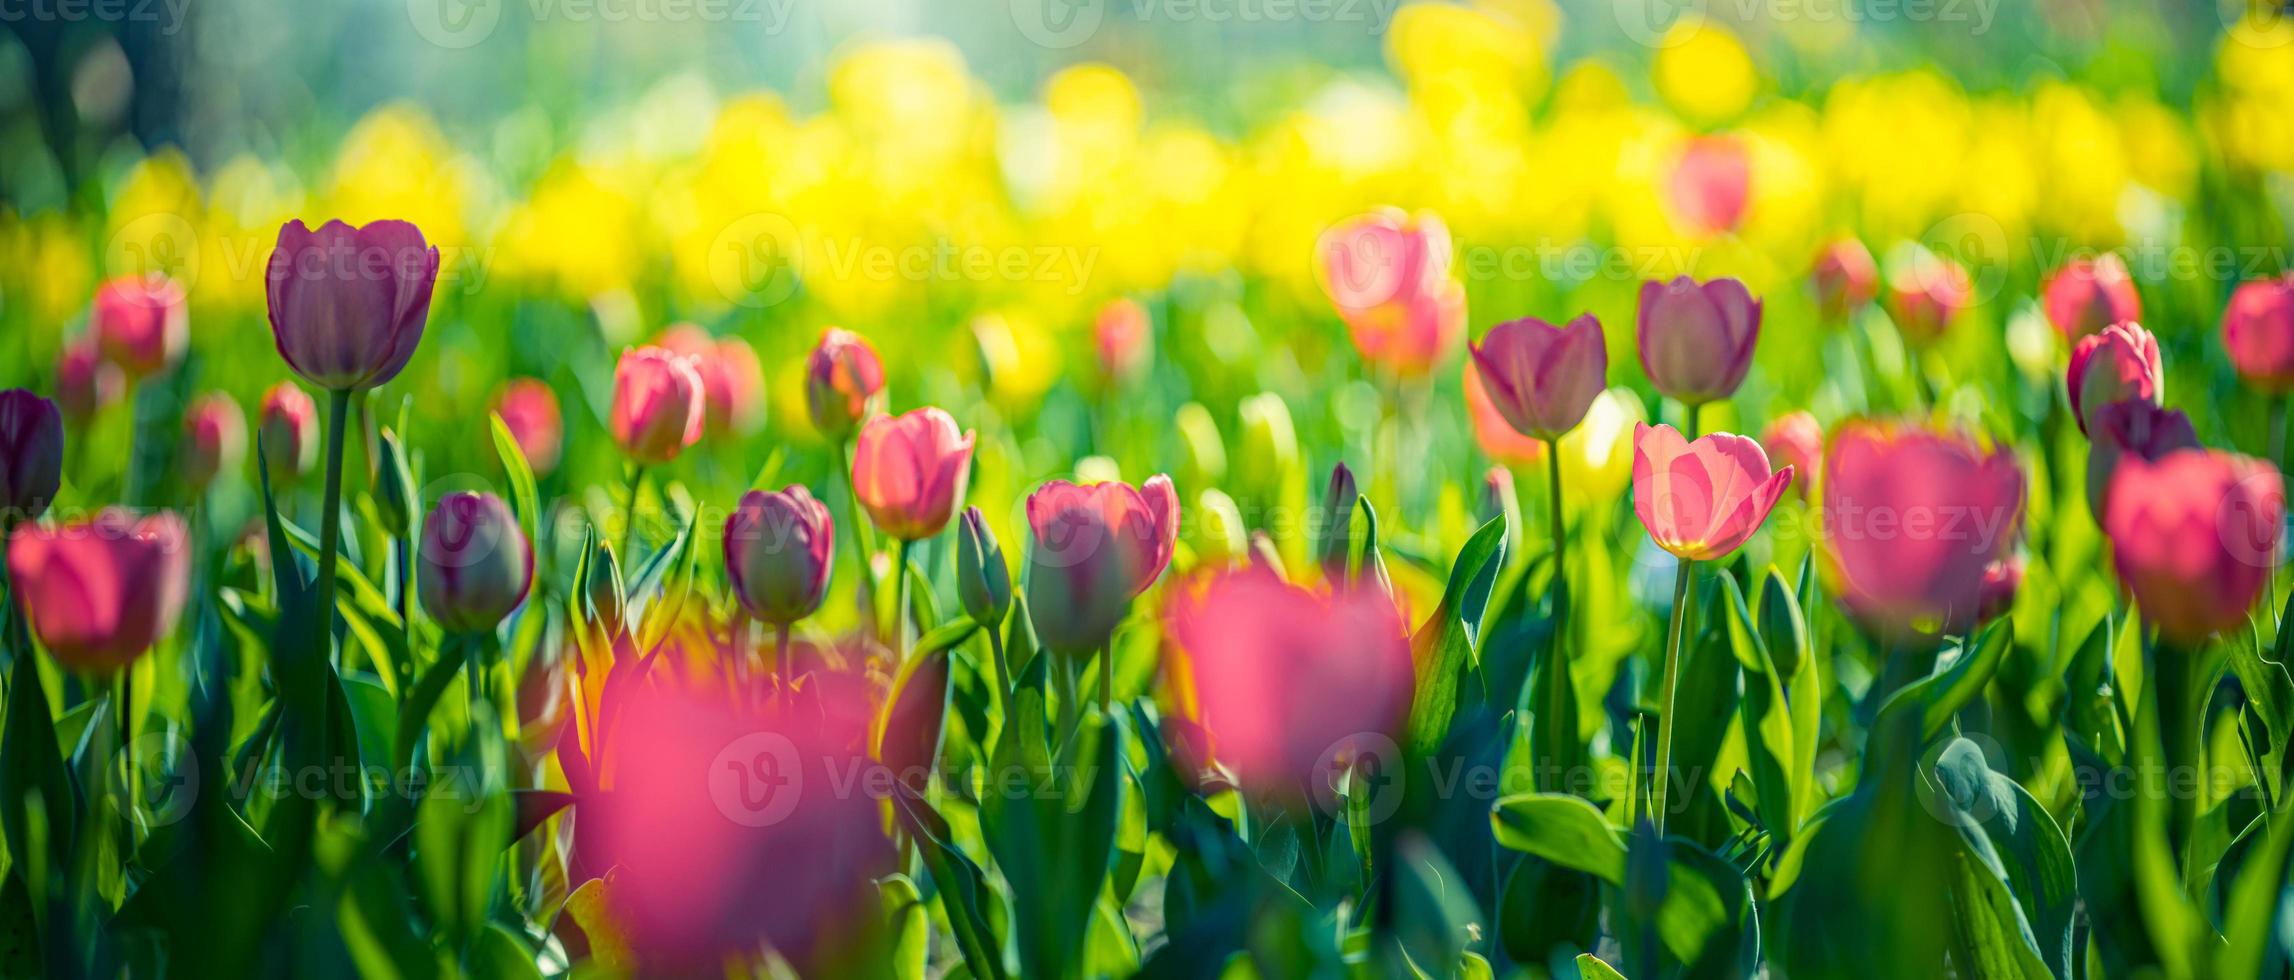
1512, 488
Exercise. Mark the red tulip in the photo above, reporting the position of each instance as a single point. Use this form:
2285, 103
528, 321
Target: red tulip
658, 405
1912, 518
1926, 292
348, 304
1697, 338
1095, 549
1845, 277
2086, 295
2195, 537
2258, 331
1123, 336
141, 324
779, 548
2133, 428
476, 563
844, 383
529, 409
1281, 685
85, 382
1388, 275
2120, 363
31, 455
288, 426
1711, 183
1701, 500
1491, 431
731, 379
1798, 440
214, 438
1541, 377
910, 472
100, 593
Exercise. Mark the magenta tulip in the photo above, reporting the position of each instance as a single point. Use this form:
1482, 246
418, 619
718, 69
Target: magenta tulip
529, 409
31, 456
1492, 432
1711, 184
1123, 337
101, 593
658, 405
2119, 363
910, 472
2195, 536
1845, 277
779, 548
348, 304
1095, 549
1542, 378
2258, 331
1701, 500
2000, 582
1796, 439
1912, 518
141, 324
2086, 295
1697, 338
2130, 429
844, 383
476, 562
1388, 274
1926, 292
288, 428
732, 382
85, 382
214, 438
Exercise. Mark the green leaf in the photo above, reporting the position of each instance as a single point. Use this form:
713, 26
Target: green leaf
1705, 898
2010, 838
1055, 848
1563, 829
1590, 967
907, 926
523, 499
36, 797
1444, 645
965, 894
1434, 914
1939, 696
1764, 717
2260, 901
500, 954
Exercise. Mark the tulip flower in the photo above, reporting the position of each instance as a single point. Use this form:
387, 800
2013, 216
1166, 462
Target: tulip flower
347, 304
1334, 535
85, 381
2133, 428
658, 405
1845, 277
1541, 377
1711, 184
529, 409
2000, 582
732, 382
2195, 536
31, 456
288, 425
2086, 295
141, 324
2121, 363
1701, 500
1123, 336
1388, 275
1796, 439
1697, 338
214, 438
100, 593
910, 471
2258, 331
476, 564
1277, 683
779, 548
844, 383
1095, 548
1911, 520
983, 581
1492, 432
1926, 292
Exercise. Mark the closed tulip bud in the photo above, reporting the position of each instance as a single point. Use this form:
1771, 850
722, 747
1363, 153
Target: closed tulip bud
1270, 443
1796, 440
1206, 452
1926, 292
1492, 432
2258, 331
2000, 582
394, 496
1912, 519
1388, 274
658, 405
910, 472
31, 456
983, 581
2124, 429
85, 382
1095, 549
732, 382
101, 593
1697, 338
1711, 184
1846, 278
214, 438
141, 324
289, 429
2086, 295
2121, 363
779, 548
1124, 338
1223, 537
2195, 536
348, 304
1701, 500
1334, 537
476, 563
1541, 377
843, 383
602, 592
529, 409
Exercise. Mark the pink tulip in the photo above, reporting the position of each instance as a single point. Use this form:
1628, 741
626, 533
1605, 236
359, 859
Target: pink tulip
141, 324
844, 383
910, 472
2124, 429
31, 456
731, 379
1798, 440
658, 405
2086, 295
1096, 548
1491, 431
2195, 537
2258, 331
1284, 686
85, 382
1711, 184
348, 304
1541, 377
779, 548
476, 563
288, 427
1388, 275
529, 409
214, 438
1697, 338
1912, 518
2000, 582
1701, 500
1845, 277
1926, 292
1123, 336
100, 593
2120, 363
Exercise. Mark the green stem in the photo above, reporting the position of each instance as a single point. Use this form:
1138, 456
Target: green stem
1664, 771
1560, 541
899, 626
330, 522
131, 479
781, 649
1003, 675
1107, 677
629, 520
2178, 683
863, 536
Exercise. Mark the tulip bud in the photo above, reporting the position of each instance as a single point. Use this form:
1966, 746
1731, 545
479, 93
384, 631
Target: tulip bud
2258, 331
658, 405
347, 304
394, 499
289, 430
2000, 582
529, 409
2195, 537
910, 471
1926, 292
2120, 363
1270, 443
732, 382
983, 582
85, 382
779, 549
1845, 277
140, 324
602, 592
1223, 537
476, 563
31, 456
100, 593
1542, 378
214, 439
1711, 184
1123, 337
1334, 540
1095, 548
1797, 440
1697, 338
2086, 295
844, 383
1206, 452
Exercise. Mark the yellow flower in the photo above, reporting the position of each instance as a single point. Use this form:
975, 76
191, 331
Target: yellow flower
1597, 456
1702, 71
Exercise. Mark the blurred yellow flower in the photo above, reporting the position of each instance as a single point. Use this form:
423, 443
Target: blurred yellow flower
1703, 72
